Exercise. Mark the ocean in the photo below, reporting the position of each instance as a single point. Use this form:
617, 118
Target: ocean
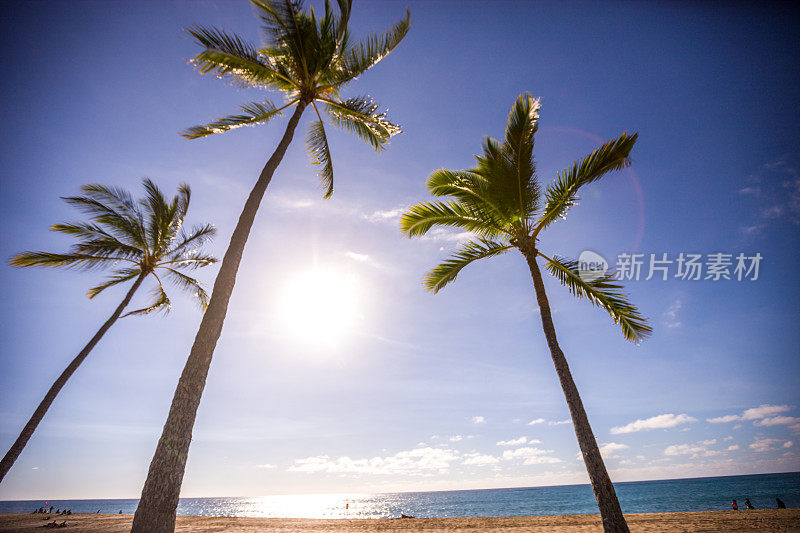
697, 494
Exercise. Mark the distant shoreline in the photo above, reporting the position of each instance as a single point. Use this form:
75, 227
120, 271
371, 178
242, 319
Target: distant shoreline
708, 521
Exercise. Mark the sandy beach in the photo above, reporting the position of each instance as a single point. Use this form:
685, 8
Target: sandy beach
759, 520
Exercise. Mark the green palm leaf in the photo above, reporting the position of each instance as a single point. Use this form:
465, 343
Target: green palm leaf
604, 293
562, 194
366, 54
160, 303
317, 143
120, 276
447, 271
360, 115
228, 55
189, 285
252, 113
422, 217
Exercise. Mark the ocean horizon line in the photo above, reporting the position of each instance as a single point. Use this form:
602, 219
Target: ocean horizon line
398, 492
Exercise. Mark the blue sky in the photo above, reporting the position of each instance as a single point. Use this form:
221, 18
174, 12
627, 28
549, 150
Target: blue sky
423, 392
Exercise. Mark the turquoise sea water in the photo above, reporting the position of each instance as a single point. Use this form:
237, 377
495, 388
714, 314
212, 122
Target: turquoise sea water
698, 494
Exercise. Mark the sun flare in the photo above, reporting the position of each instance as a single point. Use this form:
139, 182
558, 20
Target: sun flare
320, 307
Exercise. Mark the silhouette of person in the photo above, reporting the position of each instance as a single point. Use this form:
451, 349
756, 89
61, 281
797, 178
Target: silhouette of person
780, 503
734, 505
748, 504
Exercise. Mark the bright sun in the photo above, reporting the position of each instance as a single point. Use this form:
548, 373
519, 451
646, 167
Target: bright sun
320, 307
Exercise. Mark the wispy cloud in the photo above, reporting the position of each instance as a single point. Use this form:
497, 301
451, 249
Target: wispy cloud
536, 421
778, 421
531, 456
761, 444
671, 315
267, 466
775, 191
479, 459
559, 422
478, 420
391, 216
609, 449
664, 421
518, 442
764, 411
419, 461
699, 449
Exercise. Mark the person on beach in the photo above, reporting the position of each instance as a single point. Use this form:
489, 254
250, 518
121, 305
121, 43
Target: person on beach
748, 504
780, 503
734, 505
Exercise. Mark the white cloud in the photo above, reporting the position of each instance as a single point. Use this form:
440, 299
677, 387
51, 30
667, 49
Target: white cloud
559, 423
778, 421
787, 444
763, 415
656, 422
456, 438
389, 215
267, 466
536, 421
764, 411
733, 447
517, 442
419, 461
478, 420
724, 419
478, 459
671, 315
361, 258
708, 442
695, 450
762, 444
609, 449
531, 456
447, 235
291, 203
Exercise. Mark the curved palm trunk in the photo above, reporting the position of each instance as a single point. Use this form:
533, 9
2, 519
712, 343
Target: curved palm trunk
30, 427
159, 501
610, 512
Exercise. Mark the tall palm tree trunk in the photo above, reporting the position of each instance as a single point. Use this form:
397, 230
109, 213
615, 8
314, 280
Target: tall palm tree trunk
610, 512
30, 427
159, 501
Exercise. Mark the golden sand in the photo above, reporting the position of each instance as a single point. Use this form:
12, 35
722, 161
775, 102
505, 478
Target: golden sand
783, 520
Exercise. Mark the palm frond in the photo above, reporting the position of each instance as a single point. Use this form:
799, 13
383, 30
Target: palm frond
366, 54
191, 260
188, 284
422, 217
523, 122
252, 113
360, 115
563, 192
603, 292
447, 271
96, 241
228, 55
69, 261
283, 28
160, 303
120, 276
320, 152
472, 191
196, 237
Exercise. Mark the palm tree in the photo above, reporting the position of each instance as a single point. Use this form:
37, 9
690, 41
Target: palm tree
310, 60
500, 202
133, 238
